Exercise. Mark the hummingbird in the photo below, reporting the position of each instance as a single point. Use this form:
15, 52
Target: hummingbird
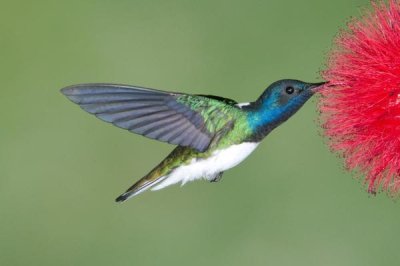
212, 133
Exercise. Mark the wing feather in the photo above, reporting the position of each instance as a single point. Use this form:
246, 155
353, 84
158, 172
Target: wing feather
185, 120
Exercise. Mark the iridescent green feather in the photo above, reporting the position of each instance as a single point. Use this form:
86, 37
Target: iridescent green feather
216, 114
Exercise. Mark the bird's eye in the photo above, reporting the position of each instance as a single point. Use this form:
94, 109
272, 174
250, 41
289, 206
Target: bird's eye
289, 90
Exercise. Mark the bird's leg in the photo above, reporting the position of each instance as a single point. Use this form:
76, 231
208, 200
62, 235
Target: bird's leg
217, 177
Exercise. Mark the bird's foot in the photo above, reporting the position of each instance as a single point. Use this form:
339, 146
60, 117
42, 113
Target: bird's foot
217, 177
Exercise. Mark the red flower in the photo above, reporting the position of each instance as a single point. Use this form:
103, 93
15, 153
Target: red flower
360, 107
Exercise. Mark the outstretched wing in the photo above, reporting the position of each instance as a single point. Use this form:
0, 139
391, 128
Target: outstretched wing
180, 119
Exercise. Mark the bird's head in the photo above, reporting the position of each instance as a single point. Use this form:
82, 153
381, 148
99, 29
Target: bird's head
281, 100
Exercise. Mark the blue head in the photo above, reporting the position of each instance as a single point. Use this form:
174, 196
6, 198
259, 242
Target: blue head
278, 102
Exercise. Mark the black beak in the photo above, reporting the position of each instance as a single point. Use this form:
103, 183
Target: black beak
316, 86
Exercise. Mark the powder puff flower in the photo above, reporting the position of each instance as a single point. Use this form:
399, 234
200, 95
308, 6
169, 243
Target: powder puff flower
360, 107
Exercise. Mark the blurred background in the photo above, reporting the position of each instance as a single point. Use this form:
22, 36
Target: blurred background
290, 203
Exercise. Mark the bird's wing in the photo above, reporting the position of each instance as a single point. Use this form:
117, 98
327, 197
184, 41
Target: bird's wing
180, 119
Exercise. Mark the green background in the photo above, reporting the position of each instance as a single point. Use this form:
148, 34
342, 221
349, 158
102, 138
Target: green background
290, 203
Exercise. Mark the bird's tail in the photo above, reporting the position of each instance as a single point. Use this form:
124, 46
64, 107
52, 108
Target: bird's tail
155, 179
140, 186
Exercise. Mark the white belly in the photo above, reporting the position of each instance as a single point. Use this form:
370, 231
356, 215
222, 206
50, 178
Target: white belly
219, 161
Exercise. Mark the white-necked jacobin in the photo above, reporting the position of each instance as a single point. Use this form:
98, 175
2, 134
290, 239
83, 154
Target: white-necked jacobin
213, 133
